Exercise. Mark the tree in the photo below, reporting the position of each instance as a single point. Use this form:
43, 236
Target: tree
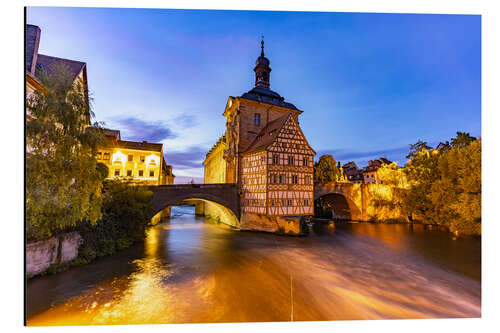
418, 147
444, 187
326, 170
462, 140
392, 175
63, 183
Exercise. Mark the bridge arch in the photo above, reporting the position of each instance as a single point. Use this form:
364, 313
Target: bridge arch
221, 197
344, 199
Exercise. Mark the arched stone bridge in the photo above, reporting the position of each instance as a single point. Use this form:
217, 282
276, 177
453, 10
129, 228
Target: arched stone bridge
349, 201
222, 194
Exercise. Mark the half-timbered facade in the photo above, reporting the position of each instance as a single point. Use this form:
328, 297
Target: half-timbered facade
277, 171
266, 153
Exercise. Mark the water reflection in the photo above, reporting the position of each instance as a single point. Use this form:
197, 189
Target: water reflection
191, 271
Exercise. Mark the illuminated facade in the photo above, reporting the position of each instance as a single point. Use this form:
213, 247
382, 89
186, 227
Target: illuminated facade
370, 173
214, 164
140, 162
264, 151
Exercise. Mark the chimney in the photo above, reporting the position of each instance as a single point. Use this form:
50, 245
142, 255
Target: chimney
338, 164
32, 41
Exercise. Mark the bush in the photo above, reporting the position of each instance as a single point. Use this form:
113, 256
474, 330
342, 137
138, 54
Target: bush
126, 213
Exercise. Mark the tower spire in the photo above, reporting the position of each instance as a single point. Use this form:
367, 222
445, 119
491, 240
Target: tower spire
262, 46
262, 69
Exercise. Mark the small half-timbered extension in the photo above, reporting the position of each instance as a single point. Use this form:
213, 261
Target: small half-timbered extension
277, 171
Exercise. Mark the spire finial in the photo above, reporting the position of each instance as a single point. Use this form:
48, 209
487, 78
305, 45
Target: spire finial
262, 46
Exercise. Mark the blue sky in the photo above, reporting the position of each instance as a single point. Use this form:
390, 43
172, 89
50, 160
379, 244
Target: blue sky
369, 84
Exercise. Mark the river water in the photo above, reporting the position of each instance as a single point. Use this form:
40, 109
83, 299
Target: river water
191, 271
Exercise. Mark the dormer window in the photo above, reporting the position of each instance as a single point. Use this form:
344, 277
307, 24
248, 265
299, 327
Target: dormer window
256, 119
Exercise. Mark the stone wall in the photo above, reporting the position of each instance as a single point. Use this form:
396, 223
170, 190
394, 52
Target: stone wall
56, 250
165, 213
275, 224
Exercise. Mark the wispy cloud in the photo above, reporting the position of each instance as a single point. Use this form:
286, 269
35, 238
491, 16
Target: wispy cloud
136, 129
185, 121
190, 158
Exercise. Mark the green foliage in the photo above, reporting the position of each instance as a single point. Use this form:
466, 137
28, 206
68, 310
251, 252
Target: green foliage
63, 184
445, 186
126, 213
326, 170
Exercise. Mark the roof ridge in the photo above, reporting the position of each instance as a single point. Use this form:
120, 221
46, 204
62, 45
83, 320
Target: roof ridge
265, 130
48, 56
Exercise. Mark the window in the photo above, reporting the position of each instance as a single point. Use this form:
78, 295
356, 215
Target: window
295, 179
283, 144
262, 159
99, 155
151, 173
276, 159
141, 173
283, 202
272, 202
129, 173
130, 158
289, 202
282, 179
304, 161
290, 160
297, 146
106, 156
117, 172
243, 180
256, 119
307, 180
142, 159
306, 202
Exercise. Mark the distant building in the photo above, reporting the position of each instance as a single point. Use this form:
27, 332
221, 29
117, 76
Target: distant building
370, 175
141, 162
352, 172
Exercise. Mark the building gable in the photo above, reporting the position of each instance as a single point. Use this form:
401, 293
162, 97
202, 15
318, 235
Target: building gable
290, 138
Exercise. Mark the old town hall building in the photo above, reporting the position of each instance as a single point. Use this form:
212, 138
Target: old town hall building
264, 151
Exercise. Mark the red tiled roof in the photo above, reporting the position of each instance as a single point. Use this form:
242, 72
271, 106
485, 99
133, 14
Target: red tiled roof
264, 139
